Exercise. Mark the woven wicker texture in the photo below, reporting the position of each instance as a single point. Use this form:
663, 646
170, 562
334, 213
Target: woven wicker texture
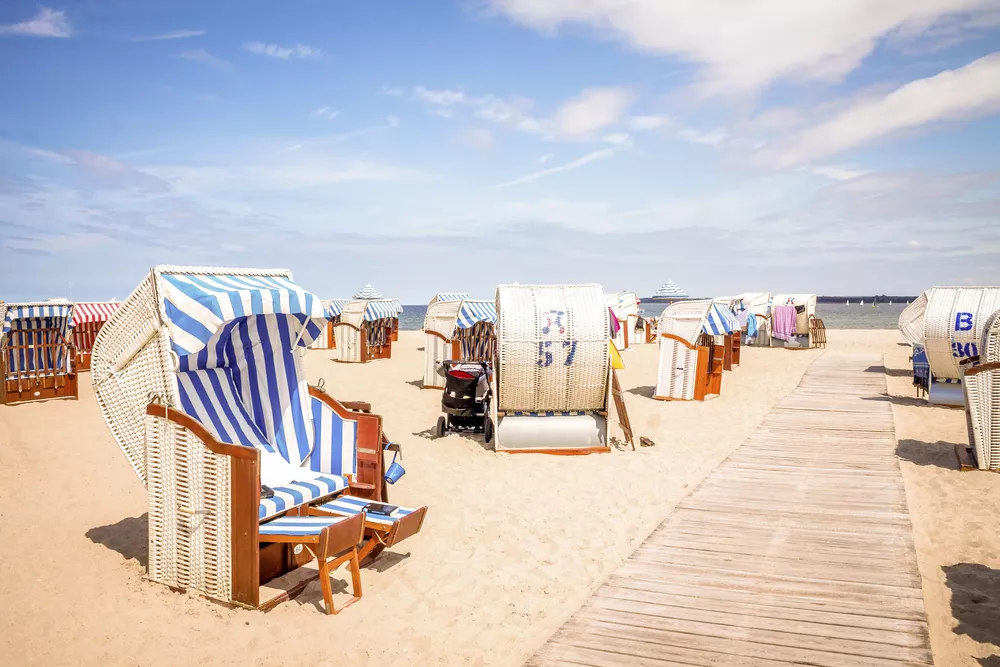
911, 320
552, 343
685, 319
954, 322
441, 316
677, 370
982, 400
189, 511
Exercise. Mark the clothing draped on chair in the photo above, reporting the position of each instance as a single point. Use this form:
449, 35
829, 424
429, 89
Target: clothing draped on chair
783, 322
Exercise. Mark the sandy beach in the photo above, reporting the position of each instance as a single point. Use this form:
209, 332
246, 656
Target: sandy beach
512, 545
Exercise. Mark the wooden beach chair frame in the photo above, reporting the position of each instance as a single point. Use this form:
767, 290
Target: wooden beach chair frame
690, 352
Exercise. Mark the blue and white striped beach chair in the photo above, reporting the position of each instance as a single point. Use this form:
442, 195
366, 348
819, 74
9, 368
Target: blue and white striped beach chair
36, 352
200, 379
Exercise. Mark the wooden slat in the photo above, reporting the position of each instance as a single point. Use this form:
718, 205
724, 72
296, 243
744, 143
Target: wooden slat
795, 550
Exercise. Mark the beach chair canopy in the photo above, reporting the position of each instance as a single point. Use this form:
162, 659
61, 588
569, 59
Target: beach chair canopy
758, 303
954, 321
807, 300
720, 321
221, 345
93, 312
552, 347
450, 296
334, 307
473, 312
36, 315
911, 320
688, 320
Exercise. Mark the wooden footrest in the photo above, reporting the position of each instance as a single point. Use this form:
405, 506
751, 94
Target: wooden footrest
384, 531
332, 540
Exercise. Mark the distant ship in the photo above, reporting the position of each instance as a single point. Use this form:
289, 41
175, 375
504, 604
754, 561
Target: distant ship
667, 293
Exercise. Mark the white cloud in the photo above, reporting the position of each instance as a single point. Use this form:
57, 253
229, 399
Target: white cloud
477, 138
203, 56
594, 156
745, 46
591, 111
967, 92
641, 123
176, 34
838, 173
914, 243
46, 23
324, 113
618, 139
710, 138
282, 52
393, 91
545, 158
439, 97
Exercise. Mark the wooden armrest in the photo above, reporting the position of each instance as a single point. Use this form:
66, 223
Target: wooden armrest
357, 406
969, 360
215, 446
981, 368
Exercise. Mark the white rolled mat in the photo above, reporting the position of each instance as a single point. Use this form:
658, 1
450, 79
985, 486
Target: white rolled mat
556, 432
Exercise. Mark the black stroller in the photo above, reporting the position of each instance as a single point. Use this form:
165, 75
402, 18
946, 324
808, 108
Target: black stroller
466, 399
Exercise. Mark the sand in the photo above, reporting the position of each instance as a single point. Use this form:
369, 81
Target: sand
512, 545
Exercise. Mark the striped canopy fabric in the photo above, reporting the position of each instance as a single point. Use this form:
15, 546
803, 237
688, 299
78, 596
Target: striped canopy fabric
92, 313
476, 311
451, 296
199, 306
38, 316
367, 292
335, 307
720, 321
381, 309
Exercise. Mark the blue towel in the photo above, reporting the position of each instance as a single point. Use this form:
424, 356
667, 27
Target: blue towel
751, 325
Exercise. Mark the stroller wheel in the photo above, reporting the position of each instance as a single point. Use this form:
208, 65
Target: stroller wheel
488, 429
442, 425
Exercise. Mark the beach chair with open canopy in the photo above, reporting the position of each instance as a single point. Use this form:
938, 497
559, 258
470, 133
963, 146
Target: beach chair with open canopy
981, 384
199, 377
36, 352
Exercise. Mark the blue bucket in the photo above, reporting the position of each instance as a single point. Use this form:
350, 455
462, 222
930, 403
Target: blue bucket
394, 472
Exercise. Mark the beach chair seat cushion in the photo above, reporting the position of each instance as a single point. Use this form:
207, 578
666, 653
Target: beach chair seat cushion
300, 492
300, 526
351, 505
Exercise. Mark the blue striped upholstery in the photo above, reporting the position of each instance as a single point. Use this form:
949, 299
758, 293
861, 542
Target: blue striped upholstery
336, 307
297, 525
349, 506
25, 336
54, 316
720, 321
451, 296
338, 455
211, 397
378, 310
476, 311
299, 493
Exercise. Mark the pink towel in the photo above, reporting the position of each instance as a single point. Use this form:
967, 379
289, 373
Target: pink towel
783, 322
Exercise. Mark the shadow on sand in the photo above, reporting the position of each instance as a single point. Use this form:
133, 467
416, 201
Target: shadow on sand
975, 603
940, 453
129, 537
645, 392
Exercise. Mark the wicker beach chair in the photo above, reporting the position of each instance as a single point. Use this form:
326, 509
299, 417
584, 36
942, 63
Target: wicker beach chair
692, 350
36, 352
981, 383
199, 377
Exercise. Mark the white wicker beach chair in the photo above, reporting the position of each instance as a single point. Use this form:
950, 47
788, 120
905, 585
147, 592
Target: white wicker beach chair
554, 368
458, 328
981, 383
367, 327
691, 362
199, 377
36, 352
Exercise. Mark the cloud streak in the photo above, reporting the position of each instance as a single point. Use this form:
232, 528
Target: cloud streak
203, 56
176, 34
594, 156
46, 23
297, 51
968, 92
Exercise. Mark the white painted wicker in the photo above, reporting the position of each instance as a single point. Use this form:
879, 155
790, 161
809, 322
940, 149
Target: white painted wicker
553, 348
188, 486
677, 370
982, 399
911, 320
685, 319
954, 321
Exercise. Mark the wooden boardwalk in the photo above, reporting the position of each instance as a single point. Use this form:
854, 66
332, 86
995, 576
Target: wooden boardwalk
797, 550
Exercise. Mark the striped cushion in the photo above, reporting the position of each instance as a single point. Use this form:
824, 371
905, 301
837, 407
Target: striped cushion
336, 449
349, 506
299, 493
297, 525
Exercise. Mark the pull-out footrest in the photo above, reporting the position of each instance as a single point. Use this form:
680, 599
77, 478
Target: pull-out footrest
383, 531
332, 540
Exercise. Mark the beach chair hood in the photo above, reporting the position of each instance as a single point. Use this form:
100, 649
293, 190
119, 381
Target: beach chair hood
188, 325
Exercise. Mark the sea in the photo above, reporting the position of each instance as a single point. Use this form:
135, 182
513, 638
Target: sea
835, 315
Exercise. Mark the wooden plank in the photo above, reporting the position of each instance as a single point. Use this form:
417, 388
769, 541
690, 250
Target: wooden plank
796, 550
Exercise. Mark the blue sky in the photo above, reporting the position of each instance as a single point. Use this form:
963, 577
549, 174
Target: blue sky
832, 146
